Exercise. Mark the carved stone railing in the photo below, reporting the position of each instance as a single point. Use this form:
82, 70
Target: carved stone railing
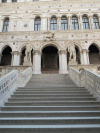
12, 80
87, 79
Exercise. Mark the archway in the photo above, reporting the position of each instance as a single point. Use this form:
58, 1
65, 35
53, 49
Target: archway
6, 56
50, 60
94, 54
77, 55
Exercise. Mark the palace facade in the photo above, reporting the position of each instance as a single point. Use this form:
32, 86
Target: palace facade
51, 27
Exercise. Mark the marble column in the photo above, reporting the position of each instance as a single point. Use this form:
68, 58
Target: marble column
9, 1
48, 21
36, 62
91, 22
15, 58
80, 22
63, 62
10, 24
1, 24
59, 23
85, 57
69, 23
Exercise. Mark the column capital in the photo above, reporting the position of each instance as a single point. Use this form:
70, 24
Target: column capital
85, 50
15, 52
37, 51
62, 52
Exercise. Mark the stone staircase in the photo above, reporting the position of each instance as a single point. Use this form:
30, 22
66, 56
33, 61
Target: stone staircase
50, 103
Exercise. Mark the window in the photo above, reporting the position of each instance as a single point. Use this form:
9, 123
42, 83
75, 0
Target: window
37, 24
35, 0
14, 0
85, 22
95, 22
5, 25
64, 23
4, 1
74, 23
53, 23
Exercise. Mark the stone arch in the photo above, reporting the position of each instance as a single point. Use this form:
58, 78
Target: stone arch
49, 44
94, 56
97, 44
53, 16
6, 57
4, 46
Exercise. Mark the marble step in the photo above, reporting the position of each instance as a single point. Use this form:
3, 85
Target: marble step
52, 92
51, 103
73, 128
49, 120
49, 114
51, 108
51, 99
50, 95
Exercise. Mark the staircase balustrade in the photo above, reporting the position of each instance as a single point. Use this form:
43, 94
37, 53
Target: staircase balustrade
87, 79
12, 80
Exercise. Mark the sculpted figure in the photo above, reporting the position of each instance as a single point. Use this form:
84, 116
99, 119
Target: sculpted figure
48, 36
72, 52
28, 52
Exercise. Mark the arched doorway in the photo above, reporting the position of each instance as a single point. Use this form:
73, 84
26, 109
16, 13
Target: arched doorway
50, 60
94, 54
6, 56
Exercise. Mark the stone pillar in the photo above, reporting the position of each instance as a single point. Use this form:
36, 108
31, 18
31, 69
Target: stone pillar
15, 58
0, 57
48, 21
19, 25
59, 23
69, 23
81, 56
9, 1
87, 53
32, 24
1, 24
10, 24
91, 22
43, 23
85, 57
80, 22
63, 62
36, 62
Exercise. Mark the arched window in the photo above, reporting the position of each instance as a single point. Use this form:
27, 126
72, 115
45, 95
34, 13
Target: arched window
95, 22
5, 25
4, 1
14, 0
64, 23
74, 23
37, 24
35, 0
53, 23
85, 22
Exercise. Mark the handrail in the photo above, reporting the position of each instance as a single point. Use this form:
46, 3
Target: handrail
87, 79
12, 80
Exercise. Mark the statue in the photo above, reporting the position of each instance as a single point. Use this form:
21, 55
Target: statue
72, 53
27, 58
49, 35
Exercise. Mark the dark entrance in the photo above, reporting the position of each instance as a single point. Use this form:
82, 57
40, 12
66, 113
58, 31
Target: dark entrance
50, 60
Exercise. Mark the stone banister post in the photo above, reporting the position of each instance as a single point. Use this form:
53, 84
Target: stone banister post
69, 23
36, 62
63, 62
15, 58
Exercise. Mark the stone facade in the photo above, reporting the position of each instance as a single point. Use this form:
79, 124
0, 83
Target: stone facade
21, 29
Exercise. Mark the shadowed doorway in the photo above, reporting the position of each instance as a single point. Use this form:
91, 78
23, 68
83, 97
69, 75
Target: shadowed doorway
50, 60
